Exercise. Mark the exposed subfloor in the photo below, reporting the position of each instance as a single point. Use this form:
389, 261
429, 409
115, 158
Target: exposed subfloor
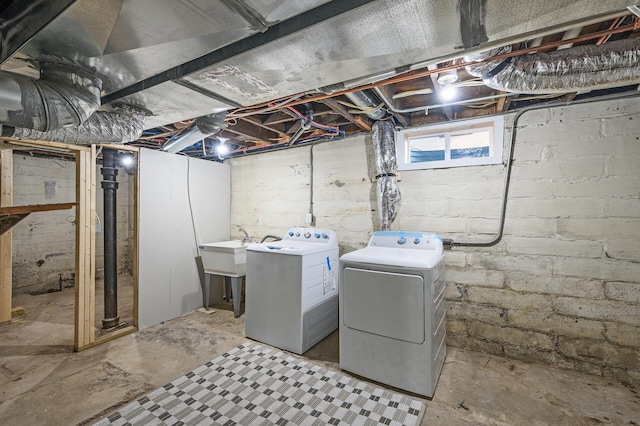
43, 382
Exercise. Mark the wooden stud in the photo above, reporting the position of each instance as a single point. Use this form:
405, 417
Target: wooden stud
85, 254
91, 284
111, 336
6, 199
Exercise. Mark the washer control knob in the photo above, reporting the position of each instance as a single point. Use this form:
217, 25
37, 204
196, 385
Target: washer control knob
402, 240
317, 235
416, 241
325, 236
297, 234
291, 233
307, 234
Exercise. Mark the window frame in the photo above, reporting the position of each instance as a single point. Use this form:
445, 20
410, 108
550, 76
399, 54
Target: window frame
494, 124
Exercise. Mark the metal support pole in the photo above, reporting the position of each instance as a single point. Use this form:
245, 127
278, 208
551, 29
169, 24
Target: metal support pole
110, 186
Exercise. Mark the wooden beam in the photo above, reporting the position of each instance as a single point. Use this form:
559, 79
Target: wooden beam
119, 147
20, 144
256, 122
279, 117
35, 208
361, 122
253, 132
504, 102
6, 199
84, 334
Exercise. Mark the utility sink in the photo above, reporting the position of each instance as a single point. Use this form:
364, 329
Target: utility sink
227, 258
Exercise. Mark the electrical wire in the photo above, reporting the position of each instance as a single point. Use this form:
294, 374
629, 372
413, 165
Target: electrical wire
193, 221
313, 123
270, 107
449, 243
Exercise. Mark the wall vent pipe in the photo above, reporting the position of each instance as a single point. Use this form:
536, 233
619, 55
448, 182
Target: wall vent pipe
201, 128
60, 98
109, 185
577, 69
364, 100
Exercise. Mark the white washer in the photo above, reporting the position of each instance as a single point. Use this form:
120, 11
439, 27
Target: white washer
292, 289
392, 310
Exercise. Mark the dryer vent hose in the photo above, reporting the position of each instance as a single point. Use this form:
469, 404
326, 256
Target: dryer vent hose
384, 146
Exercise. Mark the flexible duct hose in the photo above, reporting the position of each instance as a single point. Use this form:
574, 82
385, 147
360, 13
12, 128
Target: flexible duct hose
60, 98
577, 69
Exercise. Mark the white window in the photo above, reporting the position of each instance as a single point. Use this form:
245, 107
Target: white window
469, 143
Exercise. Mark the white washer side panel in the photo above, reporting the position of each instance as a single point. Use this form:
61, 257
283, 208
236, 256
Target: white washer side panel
273, 300
385, 303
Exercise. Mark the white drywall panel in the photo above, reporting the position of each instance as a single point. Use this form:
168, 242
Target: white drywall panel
171, 187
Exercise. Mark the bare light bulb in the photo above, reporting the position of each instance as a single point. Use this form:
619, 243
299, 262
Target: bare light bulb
448, 92
222, 148
126, 160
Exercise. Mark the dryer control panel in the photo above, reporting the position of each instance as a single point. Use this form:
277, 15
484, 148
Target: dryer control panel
406, 240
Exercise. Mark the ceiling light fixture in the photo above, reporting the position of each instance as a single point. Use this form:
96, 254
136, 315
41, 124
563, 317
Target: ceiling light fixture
448, 77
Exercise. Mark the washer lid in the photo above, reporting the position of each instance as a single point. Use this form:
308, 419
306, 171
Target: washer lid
425, 259
296, 248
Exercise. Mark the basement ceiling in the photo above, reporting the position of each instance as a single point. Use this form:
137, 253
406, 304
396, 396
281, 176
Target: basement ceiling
283, 71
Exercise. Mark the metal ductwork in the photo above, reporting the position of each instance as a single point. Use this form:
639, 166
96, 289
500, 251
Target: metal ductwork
62, 106
201, 128
118, 126
60, 98
384, 148
367, 101
577, 69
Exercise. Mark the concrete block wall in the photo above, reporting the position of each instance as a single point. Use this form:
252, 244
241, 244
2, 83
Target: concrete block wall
563, 285
44, 242
270, 192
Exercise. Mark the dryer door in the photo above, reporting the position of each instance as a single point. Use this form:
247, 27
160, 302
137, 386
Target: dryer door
384, 303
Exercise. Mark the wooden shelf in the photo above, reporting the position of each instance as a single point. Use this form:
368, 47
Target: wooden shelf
11, 216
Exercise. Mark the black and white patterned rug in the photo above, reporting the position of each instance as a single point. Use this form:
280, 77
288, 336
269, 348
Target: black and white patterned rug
256, 385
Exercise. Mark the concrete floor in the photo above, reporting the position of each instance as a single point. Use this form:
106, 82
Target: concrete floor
43, 382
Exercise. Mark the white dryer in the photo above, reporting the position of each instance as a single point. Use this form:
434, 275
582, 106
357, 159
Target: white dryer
392, 310
291, 297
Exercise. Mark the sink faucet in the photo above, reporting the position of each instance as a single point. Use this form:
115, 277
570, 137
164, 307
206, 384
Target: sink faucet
246, 238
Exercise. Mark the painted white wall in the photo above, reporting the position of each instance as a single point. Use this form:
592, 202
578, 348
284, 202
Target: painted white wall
169, 281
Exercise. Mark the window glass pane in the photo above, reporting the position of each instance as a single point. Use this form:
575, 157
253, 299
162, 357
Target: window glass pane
470, 145
430, 148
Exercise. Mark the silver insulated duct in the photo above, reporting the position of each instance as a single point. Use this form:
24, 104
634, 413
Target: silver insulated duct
201, 128
62, 106
364, 100
60, 98
118, 126
581, 68
384, 148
